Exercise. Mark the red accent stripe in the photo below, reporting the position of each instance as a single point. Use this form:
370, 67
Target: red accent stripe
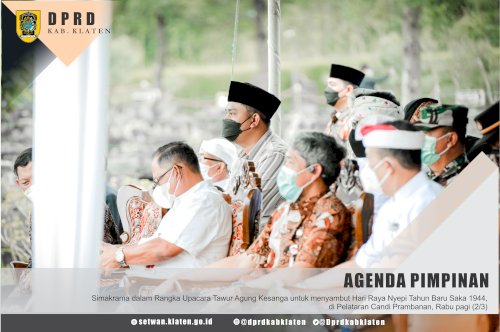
367, 129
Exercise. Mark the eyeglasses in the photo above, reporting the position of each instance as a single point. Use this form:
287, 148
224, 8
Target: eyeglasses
156, 181
217, 160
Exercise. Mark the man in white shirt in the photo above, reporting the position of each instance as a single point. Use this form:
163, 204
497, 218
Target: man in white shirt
393, 150
197, 227
217, 156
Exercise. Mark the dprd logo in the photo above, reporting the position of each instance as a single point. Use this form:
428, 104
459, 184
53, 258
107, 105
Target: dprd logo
28, 25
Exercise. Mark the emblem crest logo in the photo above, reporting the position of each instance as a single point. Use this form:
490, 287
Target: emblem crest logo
28, 25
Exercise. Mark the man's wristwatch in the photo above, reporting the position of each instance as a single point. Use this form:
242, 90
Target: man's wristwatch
120, 257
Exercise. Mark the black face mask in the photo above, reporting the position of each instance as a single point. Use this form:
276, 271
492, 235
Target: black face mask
232, 129
332, 96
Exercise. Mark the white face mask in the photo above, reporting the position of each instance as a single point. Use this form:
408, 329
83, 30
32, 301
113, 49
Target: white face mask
204, 169
369, 180
30, 192
162, 195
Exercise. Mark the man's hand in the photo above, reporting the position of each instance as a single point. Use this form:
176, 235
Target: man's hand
107, 259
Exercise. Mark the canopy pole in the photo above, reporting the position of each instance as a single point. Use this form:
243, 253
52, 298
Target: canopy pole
70, 145
273, 57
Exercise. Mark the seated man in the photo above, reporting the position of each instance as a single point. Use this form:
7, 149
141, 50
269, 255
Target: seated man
393, 150
197, 228
339, 93
370, 107
23, 169
216, 161
247, 123
444, 148
312, 228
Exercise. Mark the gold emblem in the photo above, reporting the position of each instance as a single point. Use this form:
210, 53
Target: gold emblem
28, 25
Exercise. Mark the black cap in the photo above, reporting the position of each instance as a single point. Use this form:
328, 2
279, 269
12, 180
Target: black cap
348, 74
251, 95
488, 121
413, 105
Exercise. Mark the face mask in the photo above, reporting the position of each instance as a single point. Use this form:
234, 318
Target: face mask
286, 183
232, 129
204, 169
429, 155
369, 180
29, 192
162, 196
331, 96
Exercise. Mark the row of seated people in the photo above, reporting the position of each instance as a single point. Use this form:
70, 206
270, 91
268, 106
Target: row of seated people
247, 125
290, 231
143, 215
258, 143
332, 234
448, 118
307, 193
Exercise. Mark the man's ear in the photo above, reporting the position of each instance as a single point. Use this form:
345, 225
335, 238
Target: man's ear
255, 120
220, 168
17, 182
349, 89
393, 163
318, 170
453, 139
179, 171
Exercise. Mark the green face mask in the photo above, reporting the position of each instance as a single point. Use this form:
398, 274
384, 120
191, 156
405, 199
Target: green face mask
429, 155
232, 129
331, 96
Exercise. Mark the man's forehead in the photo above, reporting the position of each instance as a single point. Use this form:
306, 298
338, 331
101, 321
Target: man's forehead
24, 170
437, 131
234, 106
334, 80
207, 155
155, 164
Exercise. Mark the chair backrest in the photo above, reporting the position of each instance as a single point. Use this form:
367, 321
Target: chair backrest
139, 213
363, 219
349, 190
246, 201
348, 186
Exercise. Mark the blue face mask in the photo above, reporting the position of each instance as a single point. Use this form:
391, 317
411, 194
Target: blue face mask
286, 183
429, 155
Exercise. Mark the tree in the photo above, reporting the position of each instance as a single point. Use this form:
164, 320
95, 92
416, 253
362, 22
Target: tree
260, 7
410, 80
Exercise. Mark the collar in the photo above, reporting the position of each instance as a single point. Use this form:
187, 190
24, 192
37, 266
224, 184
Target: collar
221, 183
409, 188
258, 146
307, 206
450, 170
191, 191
